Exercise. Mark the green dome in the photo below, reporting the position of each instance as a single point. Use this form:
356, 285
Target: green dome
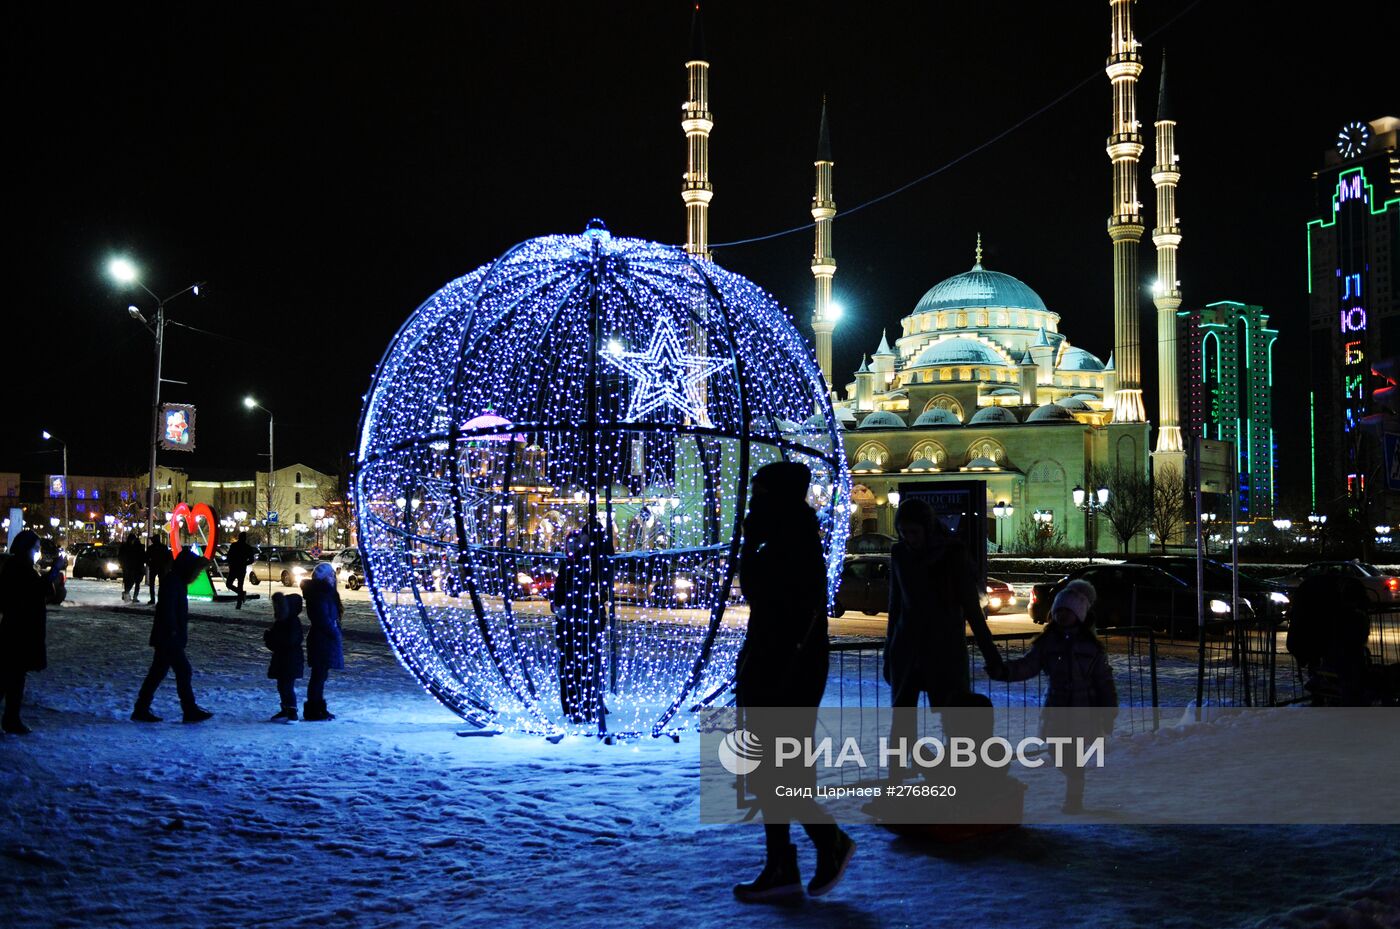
978, 288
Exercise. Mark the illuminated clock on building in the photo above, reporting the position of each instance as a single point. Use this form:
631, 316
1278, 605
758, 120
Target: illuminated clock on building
1352, 139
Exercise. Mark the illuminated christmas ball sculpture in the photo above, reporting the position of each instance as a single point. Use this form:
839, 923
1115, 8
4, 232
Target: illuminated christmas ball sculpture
553, 464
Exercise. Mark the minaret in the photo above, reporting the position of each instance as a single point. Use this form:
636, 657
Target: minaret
697, 121
1125, 226
823, 264
1166, 292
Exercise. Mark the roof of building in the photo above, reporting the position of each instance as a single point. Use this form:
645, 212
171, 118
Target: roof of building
1050, 413
1077, 359
993, 414
884, 348
1005, 392
882, 419
958, 350
978, 288
937, 417
1073, 403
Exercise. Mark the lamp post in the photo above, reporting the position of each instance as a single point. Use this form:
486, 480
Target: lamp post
252, 404
1044, 528
893, 498
1001, 510
317, 514
1090, 504
50, 437
124, 272
1317, 522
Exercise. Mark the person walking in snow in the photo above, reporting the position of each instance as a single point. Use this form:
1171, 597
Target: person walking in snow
933, 596
240, 556
784, 663
170, 630
132, 558
24, 598
158, 560
324, 650
1076, 665
283, 638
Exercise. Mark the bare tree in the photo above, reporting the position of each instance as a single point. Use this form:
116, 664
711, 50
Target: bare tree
1129, 506
1034, 537
1168, 505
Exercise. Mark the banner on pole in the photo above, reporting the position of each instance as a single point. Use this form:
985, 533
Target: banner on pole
177, 427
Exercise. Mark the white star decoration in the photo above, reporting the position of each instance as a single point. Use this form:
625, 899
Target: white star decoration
665, 374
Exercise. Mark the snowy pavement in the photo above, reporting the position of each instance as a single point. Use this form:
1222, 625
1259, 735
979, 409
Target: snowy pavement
385, 817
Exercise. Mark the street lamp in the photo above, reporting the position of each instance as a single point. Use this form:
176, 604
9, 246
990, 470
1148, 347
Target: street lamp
124, 272
252, 404
1090, 504
1001, 510
317, 514
50, 437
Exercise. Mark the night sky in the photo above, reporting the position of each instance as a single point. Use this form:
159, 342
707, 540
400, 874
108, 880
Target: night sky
326, 167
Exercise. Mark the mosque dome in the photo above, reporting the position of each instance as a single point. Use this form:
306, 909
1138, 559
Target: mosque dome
882, 419
1077, 359
958, 351
937, 417
1050, 413
979, 288
993, 415
1073, 403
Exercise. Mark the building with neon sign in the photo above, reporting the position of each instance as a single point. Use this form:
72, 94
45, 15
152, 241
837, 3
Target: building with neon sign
1227, 393
1354, 309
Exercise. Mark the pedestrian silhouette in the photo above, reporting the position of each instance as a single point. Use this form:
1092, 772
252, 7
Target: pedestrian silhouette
24, 598
283, 638
240, 556
169, 637
324, 651
132, 558
783, 664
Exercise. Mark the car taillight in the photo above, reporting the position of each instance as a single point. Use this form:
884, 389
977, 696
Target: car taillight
1392, 582
1034, 595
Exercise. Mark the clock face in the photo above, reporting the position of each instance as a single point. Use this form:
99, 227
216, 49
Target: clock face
1351, 141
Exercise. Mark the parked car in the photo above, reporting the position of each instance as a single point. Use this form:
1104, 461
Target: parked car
1138, 595
290, 566
538, 582
864, 585
98, 562
1000, 597
348, 568
1383, 588
1269, 598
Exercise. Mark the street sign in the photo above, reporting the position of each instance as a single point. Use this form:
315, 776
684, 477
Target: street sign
1213, 463
1392, 461
272, 517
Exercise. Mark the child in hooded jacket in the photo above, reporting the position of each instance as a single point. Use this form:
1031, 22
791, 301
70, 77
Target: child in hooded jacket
283, 639
1076, 665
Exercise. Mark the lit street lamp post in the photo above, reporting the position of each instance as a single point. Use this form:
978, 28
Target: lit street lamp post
124, 272
1090, 504
1001, 510
252, 404
50, 437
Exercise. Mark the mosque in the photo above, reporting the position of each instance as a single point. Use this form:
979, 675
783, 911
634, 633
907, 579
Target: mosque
980, 383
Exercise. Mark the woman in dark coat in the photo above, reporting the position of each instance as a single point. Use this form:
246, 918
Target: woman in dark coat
24, 598
132, 557
169, 636
283, 639
783, 663
933, 593
323, 644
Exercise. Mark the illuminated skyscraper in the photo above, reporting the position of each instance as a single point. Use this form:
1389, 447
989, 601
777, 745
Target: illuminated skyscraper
1354, 307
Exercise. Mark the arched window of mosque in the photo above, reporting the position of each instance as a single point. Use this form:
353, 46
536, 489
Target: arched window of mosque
962, 320
942, 320
964, 374
1021, 320
1001, 318
945, 402
985, 374
929, 451
981, 317
298, 477
945, 374
874, 453
986, 448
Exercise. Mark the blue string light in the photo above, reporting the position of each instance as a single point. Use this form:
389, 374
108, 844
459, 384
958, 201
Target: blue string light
577, 422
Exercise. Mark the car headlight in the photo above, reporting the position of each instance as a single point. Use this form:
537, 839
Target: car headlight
113, 567
1276, 597
1219, 607
298, 570
684, 583
524, 579
995, 602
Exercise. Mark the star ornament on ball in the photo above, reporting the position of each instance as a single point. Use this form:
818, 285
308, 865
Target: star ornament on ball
665, 375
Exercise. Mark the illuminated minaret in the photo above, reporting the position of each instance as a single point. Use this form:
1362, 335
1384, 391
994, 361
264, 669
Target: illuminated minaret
697, 121
1125, 224
824, 315
1166, 293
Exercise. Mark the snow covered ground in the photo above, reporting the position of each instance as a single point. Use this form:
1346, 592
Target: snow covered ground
385, 817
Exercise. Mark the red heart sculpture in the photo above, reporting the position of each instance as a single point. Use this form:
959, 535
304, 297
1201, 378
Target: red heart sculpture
190, 515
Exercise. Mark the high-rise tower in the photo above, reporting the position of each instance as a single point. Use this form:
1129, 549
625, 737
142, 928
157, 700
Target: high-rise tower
1166, 293
1125, 226
697, 121
823, 264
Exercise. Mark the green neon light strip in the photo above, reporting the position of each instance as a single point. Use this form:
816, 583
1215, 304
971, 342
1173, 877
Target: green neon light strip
1336, 197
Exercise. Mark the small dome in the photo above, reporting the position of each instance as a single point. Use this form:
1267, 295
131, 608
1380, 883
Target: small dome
1093, 398
982, 464
993, 414
1077, 359
922, 464
1073, 403
937, 417
1005, 392
865, 467
979, 288
956, 351
815, 421
882, 419
1050, 413
786, 425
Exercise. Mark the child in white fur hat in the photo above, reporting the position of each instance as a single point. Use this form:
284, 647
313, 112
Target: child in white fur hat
1076, 664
